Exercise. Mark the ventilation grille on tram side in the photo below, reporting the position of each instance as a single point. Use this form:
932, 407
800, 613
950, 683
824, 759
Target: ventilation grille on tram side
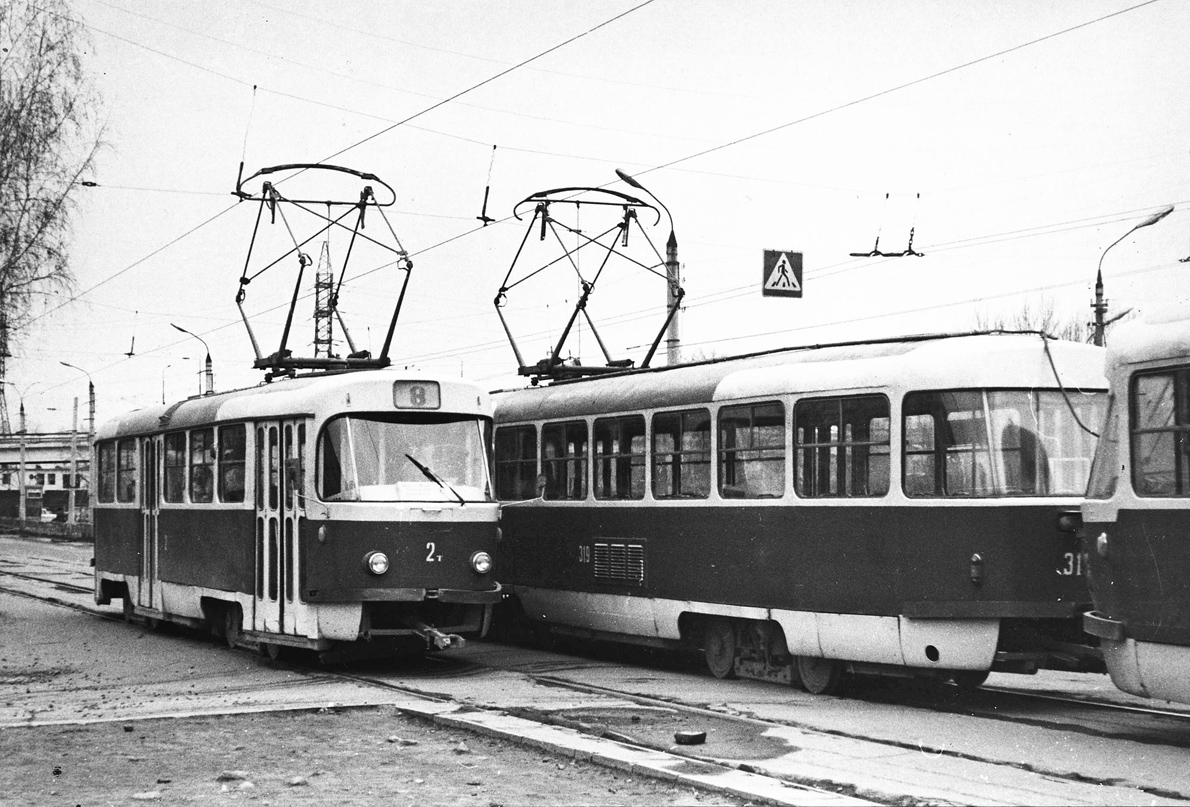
623, 563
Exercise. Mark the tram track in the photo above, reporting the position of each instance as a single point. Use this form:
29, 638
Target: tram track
459, 713
579, 664
657, 713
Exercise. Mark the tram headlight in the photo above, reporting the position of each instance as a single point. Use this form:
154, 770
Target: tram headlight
376, 562
481, 562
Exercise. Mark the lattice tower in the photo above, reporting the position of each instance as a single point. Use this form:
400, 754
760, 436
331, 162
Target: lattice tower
324, 287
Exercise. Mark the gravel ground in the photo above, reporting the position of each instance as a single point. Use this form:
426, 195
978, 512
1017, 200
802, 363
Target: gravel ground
367, 757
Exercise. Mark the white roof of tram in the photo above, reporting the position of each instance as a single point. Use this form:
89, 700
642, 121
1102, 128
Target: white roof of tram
320, 396
1006, 360
1154, 337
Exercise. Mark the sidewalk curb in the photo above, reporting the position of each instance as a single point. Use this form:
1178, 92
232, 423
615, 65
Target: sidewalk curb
568, 742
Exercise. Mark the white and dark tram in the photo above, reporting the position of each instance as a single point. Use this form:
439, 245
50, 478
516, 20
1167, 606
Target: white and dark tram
1136, 518
333, 512
894, 507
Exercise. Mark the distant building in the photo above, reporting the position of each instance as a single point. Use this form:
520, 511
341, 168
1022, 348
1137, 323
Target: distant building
48, 475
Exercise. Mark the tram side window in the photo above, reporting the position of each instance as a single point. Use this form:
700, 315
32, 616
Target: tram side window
202, 461
842, 447
107, 472
232, 455
126, 471
752, 451
1161, 433
946, 445
682, 455
175, 467
516, 463
620, 458
564, 460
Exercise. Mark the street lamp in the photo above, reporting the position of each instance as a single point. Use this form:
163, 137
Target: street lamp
21, 482
90, 398
163, 369
1100, 305
672, 342
210, 373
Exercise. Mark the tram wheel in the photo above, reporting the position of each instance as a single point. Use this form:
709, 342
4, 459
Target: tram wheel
271, 650
233, 625
719, 646
969, 680
820, 676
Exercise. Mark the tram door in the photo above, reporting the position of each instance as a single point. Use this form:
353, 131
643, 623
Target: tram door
149, 510
280, 460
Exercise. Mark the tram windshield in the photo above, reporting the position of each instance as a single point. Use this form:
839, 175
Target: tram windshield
403, 458
985, 443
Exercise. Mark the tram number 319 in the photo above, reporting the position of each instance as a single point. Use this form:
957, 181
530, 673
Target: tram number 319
1072, 565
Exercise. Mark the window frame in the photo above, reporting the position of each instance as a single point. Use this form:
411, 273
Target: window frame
1177, 431
204, 469
568, 473
618, 468
174, 472
226, 465
754, 459
513, 469
105, 459
677, 459
127, 472
841, 448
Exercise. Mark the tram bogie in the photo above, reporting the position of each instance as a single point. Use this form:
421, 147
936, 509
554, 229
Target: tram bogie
885, 507
1136, 517
311, 513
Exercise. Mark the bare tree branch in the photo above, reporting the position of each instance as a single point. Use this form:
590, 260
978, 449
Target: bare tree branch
48, 139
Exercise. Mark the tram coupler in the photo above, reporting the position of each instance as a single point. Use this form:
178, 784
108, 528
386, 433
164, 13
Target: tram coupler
440, 640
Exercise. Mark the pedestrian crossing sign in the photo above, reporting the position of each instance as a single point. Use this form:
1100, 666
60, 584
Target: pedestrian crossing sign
782, 274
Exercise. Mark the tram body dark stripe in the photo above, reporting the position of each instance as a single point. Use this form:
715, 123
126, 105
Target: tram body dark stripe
213, 548
1140, 582
914, 561
333, 568
117, 540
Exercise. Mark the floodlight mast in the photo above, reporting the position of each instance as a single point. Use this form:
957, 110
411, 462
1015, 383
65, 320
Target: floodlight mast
282, 362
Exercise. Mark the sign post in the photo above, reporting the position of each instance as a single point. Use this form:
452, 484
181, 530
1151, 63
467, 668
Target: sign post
782, 275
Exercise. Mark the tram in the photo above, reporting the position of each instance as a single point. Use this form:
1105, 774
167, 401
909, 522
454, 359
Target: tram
1136, 517
342, 513
895, 507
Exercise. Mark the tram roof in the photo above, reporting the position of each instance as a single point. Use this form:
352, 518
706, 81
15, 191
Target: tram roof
283, 398
948, 361
1151, 338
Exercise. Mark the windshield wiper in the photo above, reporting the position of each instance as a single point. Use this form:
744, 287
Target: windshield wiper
433, 477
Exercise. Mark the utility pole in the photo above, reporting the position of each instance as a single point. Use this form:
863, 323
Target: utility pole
21, 514
1099, 307
673, 343
74, 466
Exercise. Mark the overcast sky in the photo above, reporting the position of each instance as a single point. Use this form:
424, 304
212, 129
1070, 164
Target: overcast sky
1017, 139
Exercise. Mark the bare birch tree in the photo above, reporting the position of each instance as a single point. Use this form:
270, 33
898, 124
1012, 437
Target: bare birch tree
49, 137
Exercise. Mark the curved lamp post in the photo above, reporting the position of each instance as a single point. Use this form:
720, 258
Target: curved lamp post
673, 341
210, 373
90, 398
1100, 305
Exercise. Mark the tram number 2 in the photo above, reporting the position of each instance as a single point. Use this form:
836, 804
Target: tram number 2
1072, 565
432, 555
